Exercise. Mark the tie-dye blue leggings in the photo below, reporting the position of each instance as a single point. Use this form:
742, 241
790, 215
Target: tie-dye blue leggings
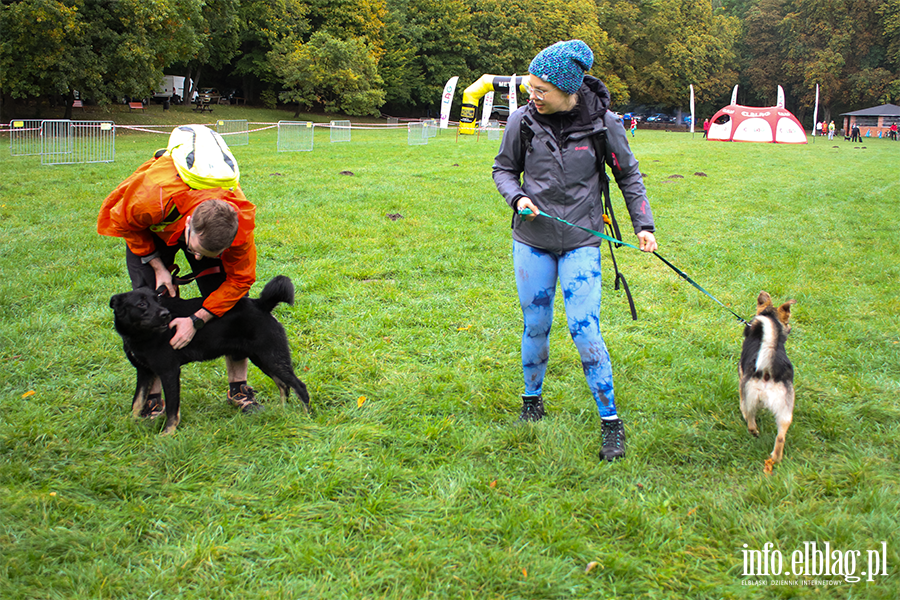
579, 273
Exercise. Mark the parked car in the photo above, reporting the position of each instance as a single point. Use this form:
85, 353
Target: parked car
501, 111
210, 95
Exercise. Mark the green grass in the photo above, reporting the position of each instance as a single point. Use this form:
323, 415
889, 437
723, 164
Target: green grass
430, 488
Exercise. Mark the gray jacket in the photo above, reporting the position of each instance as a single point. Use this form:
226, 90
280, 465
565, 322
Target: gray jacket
559, 171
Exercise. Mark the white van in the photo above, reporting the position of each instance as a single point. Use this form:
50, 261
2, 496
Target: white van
172, 86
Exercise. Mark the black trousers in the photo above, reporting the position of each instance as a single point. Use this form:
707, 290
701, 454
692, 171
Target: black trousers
142, 274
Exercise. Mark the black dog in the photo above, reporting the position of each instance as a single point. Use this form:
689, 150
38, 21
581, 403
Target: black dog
247, 330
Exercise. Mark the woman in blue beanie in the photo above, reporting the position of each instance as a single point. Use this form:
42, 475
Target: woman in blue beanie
547, 162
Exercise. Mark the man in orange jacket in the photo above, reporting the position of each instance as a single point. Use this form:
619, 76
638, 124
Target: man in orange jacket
158, 214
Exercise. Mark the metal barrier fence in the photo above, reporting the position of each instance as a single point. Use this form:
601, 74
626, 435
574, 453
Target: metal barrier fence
340, 131
417, 134
295, 136
76, 142
431, 127
235, 133
393, 121
25, 138
493, 130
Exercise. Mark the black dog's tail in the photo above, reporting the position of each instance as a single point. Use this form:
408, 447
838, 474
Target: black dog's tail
279, 289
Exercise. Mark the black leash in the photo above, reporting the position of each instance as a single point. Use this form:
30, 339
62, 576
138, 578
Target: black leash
179, 281
612, 240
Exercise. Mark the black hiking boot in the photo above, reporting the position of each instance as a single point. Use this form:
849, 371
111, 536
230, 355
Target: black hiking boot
532, 408
613, 440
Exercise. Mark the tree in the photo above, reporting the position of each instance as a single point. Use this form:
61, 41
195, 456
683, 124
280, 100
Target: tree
346, 19
431, 42
217, 35
265, 26
661, 47
337, 75
103, 50
841, 45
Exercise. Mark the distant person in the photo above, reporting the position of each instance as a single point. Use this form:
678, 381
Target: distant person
818, 128
633, 126
705, 128
854, 133
831, 130
565, 105
894, 131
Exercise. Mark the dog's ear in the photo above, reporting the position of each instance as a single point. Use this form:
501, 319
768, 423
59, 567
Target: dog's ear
763, 301
784, 312
115, 301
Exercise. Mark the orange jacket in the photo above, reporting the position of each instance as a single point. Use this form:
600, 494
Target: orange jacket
154, 198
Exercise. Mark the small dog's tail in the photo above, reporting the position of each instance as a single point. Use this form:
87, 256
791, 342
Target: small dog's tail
279, 289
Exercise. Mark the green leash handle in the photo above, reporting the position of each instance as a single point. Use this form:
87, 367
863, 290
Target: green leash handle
527, 211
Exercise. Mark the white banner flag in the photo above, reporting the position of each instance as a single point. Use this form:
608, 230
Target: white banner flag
513, 104
692, 108
734, 95
780, 102
487, 108
447, 101
816, 111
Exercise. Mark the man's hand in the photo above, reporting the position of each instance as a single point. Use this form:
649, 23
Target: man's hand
163, 276
184, 332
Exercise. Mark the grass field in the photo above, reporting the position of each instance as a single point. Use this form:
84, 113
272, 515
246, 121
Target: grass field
412, 478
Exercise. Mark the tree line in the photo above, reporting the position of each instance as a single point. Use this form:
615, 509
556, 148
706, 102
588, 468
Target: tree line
362, 57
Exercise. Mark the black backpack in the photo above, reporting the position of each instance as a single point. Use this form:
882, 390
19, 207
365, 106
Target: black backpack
610, 225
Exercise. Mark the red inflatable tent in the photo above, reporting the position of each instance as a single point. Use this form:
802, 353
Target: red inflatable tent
772, 124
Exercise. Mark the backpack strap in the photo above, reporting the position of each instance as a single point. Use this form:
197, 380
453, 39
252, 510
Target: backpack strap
609, 217
526, 135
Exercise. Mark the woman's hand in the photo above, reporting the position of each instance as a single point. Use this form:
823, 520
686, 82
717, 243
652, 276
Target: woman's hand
648, 241
525, 202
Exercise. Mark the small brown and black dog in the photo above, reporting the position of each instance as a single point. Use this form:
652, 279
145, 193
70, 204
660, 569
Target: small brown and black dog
766, 372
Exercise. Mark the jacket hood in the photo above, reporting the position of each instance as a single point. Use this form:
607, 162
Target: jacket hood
595, 97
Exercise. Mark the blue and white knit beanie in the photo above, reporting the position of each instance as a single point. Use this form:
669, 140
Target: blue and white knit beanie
563, 64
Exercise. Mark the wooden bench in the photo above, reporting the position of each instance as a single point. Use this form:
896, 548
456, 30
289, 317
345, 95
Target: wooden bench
136, 105
203, 105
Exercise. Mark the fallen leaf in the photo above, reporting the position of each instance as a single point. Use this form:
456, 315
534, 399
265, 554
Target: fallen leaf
466, 328
360, 401
524, 572
769, 465
493, 484
692, 511
53, 494
29, 393
590, 566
